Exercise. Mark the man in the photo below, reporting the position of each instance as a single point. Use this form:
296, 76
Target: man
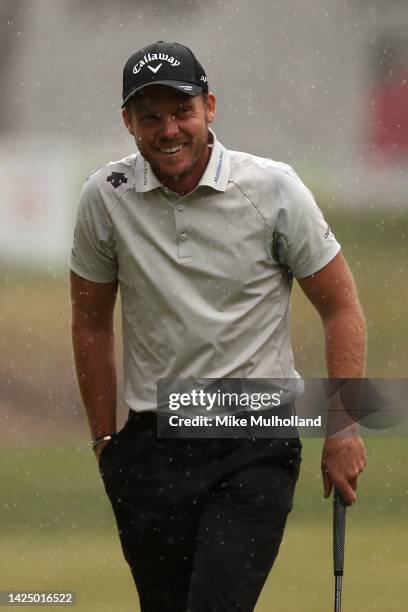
203, 243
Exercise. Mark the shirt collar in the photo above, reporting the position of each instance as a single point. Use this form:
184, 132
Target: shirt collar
146, 180
216, 174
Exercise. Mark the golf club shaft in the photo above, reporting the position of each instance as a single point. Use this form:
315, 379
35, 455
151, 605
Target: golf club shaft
337, 595
339, 533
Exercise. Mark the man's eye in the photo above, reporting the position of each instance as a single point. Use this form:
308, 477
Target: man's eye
149, 118
183, 110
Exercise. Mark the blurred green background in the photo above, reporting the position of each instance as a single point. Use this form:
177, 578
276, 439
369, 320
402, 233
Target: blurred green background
57, 528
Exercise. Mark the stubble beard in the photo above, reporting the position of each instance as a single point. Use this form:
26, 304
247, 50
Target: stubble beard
168, 174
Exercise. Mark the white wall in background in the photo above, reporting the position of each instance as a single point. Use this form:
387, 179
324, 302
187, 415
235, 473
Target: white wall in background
37, 203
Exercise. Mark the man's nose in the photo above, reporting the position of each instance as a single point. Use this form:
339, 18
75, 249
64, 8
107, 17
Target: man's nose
168, 127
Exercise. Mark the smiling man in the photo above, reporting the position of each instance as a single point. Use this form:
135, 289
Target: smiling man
171, 130
204, 244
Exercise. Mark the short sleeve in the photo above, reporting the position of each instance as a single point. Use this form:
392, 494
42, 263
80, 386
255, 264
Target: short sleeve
302, 239
93, 253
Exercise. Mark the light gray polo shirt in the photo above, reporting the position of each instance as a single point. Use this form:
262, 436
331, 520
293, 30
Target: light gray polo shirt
205, 278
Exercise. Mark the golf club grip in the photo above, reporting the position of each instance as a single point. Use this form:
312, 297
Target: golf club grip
339, 532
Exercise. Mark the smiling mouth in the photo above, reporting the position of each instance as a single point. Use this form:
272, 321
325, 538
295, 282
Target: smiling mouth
172, 150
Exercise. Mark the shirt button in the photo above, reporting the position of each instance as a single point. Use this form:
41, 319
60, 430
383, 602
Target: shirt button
180, 207
183, 236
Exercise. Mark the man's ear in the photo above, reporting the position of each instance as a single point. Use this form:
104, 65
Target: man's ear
127, 121
210, 107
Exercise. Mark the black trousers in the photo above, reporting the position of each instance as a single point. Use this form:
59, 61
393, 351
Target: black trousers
200, 521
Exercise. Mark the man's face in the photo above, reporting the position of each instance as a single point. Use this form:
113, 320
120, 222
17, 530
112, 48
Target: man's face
170, 130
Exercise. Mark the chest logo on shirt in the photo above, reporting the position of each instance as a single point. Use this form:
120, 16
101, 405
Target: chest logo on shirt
117, 179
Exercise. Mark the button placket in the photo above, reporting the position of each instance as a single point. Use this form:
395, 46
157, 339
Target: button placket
182, 232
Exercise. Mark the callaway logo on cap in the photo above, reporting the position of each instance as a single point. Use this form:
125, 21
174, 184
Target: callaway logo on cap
163, 63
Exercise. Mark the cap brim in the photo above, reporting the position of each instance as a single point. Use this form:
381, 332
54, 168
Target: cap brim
183, 86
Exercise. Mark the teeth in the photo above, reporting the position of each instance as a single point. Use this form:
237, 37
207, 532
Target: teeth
171, 149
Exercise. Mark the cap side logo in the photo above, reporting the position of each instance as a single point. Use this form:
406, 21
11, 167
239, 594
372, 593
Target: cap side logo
155, 69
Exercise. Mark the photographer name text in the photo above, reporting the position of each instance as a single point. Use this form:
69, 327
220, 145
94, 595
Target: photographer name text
254, 420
